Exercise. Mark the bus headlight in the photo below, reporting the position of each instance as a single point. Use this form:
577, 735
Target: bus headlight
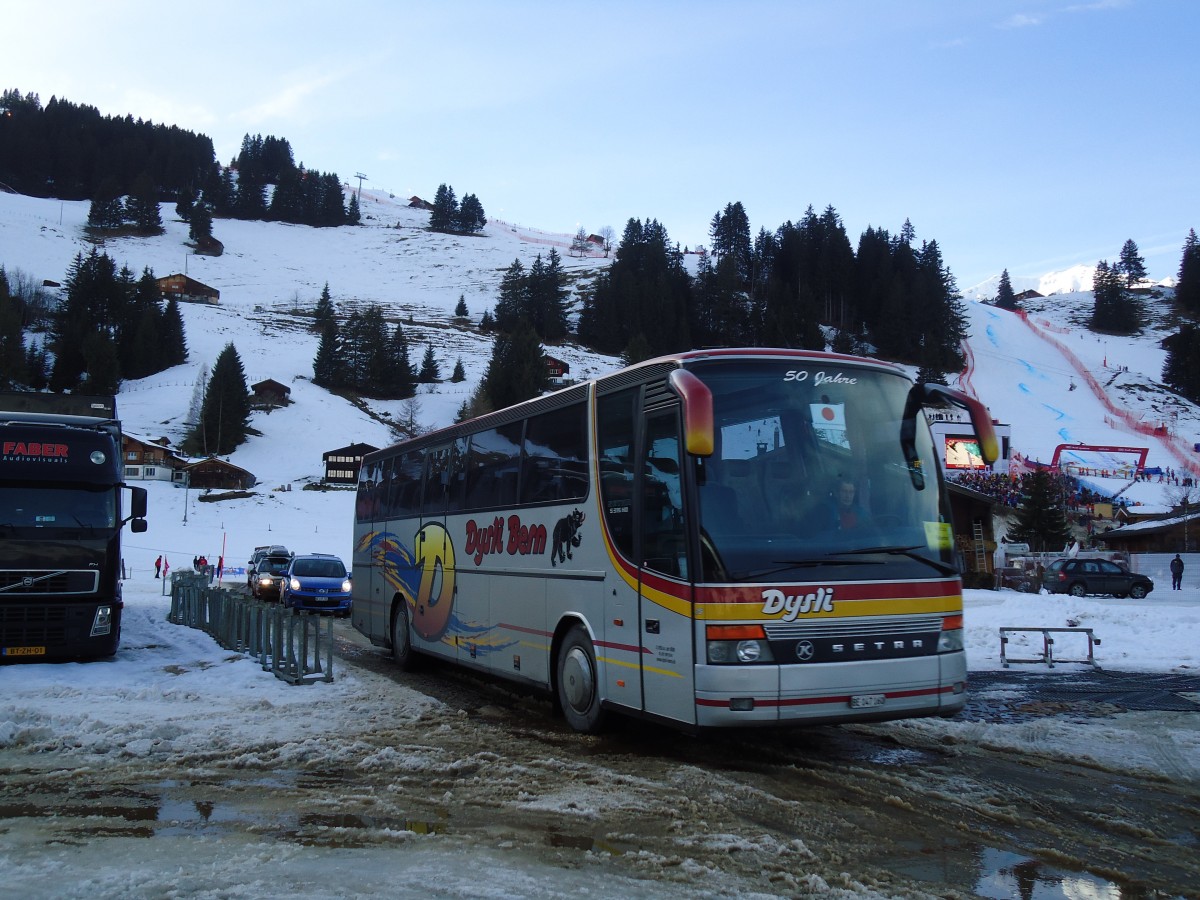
733, 644
951, 638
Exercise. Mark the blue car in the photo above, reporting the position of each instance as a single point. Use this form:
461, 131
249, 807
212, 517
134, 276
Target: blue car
317, 582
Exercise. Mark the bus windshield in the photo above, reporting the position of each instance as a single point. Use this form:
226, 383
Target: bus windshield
57, 507
808, 471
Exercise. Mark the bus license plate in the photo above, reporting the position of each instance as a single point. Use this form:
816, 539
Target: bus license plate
23, 651
866, 701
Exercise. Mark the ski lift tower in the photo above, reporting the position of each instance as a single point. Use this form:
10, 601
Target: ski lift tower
361, 178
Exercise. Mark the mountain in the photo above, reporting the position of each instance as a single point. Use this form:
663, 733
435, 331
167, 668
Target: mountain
1048, 376
1075, 279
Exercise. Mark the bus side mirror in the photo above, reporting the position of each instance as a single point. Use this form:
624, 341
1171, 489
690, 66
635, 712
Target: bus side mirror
922, 395
698, 427
137, 526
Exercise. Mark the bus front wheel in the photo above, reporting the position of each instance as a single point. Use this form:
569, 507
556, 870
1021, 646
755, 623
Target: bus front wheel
402, 651
578, 686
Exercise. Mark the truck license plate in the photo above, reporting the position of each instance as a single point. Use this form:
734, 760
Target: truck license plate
865, 701
22, 651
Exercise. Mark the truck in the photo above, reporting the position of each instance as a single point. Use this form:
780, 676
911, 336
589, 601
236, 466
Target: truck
61, 491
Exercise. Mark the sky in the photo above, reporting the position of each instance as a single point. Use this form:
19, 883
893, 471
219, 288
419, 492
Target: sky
1029, 136
172, 694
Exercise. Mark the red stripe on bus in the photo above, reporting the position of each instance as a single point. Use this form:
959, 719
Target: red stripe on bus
812, 701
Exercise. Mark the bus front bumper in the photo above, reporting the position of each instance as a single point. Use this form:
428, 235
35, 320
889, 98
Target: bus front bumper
831, 692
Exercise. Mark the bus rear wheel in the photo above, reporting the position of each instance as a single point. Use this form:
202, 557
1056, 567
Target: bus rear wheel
578, 685
402, 651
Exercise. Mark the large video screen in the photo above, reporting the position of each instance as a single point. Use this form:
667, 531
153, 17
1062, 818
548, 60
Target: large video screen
963, 453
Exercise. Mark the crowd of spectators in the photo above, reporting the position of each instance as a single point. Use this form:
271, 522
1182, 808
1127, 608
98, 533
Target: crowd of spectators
1008, 489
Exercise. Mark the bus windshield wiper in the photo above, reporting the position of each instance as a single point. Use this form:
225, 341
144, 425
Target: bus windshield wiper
782, 565
910, 552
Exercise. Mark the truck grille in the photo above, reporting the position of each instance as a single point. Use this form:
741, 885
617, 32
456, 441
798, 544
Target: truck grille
41, 626
17, 582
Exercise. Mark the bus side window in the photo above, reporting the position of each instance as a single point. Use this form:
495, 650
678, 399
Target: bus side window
555, 462
492, 467
614, 436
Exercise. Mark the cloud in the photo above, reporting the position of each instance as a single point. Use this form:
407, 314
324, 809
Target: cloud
1096, 5
1022, 20
293, 100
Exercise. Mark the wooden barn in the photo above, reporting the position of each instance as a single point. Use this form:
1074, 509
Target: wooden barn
342, 465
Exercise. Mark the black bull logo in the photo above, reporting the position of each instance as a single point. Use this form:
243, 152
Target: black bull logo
566, 536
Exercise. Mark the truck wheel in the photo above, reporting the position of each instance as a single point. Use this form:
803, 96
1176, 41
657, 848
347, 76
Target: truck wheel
578, 684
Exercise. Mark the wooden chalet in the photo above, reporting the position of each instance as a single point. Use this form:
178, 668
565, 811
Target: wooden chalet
1028, 295
217, 473
269, 394
1177, 533
557, 371
188, 290
415, 202
151, 460
342, 465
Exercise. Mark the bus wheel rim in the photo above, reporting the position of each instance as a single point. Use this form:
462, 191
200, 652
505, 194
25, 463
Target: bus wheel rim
579, 682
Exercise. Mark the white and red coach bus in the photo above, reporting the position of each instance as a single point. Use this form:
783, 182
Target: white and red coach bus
719, 538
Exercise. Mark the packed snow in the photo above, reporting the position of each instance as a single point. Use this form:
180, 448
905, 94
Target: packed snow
171, 690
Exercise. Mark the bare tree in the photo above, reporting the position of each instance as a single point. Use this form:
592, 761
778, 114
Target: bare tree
608, 236
1183, 498
579, 243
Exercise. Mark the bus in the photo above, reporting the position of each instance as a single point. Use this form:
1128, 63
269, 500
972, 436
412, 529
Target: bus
720, 538
61, 478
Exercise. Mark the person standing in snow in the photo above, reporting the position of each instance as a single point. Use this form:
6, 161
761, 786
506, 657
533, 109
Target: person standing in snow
1177, 573
157, 566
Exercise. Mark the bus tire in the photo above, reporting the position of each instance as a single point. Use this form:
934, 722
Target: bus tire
578, 684
402, 651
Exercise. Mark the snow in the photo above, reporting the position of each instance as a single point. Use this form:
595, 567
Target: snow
172, 691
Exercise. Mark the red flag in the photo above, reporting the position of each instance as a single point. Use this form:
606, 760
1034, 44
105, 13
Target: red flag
166, 567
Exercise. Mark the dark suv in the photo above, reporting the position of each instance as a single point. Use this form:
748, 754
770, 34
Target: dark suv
1079, 577
267, 574
318, 582
262, 551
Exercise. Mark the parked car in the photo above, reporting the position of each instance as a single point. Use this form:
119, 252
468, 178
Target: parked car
1079, 577
258, 554
316, 581
267, 574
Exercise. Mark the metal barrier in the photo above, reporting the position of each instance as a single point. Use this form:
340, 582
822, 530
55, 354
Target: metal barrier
296, 646
1047, 656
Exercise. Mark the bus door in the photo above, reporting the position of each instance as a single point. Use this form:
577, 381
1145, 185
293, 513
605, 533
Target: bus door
664, 575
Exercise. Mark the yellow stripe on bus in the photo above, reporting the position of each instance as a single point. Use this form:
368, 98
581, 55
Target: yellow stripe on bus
632, 665
738, 612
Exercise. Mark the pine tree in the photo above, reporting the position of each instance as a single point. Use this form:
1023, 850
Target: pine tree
141, 209
1040, 521
353, 213
459, 374
103, 373
471, 217
1005, 298
429, 373
174, 341
517, 369
200, 224
324, 315
225, 414
1115, 310
1131, 264
326, 369
107, 211
579, 243
13, 354
1187, 288
486, 322
1181, 368
444, 216
461, 310
403, 383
